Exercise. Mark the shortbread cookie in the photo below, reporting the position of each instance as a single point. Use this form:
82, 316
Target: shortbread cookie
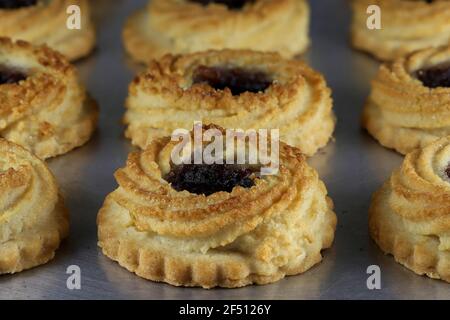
409, 105
45, 22
214, 225
234, 89
406, 26
43, 107
184, 26
410, 215
33, 219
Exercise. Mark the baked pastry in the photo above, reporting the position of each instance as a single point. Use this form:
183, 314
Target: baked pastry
42, 105
234, 89
215, 225
406, 26
33, 219
410, 215
185, 26
43, 21
409, 105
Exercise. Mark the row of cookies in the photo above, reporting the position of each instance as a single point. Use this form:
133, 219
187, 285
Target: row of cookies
174, 26
407, 110
179, 89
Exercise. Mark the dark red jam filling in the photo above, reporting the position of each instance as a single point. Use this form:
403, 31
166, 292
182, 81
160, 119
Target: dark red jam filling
10, 76
210, 178
435, 77
231, 4
447, 171
238, 80
16, 4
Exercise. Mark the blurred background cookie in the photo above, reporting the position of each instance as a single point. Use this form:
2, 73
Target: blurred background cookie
183, 26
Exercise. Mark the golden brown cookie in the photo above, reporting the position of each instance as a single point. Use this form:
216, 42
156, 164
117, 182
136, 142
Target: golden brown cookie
33, 219
43, 107
184, 26
228, 226
45, 22
234, 89
410, 215
409, 105
406, 26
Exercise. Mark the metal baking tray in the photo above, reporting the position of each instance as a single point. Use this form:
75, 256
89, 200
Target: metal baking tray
353, 167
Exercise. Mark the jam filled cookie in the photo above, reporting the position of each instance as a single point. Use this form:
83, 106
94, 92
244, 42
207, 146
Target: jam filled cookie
214, 225
184, 26
44, 21
42, 105
410, 100
234, 89
406, 26
410, 215
33, 219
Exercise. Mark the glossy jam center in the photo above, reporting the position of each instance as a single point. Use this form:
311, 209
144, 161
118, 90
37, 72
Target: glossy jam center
447, 171
238, 80
435, 77
10, 76
209, 178
16, 4
231, 4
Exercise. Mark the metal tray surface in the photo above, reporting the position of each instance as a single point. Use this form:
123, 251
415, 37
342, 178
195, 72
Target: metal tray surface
353, 167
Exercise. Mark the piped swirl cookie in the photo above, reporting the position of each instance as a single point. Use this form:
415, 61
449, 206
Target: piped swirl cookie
406, 26
214, 225
409, 105
410, 215
45, 22
234, 89
33, 219
43, 107
185, 26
